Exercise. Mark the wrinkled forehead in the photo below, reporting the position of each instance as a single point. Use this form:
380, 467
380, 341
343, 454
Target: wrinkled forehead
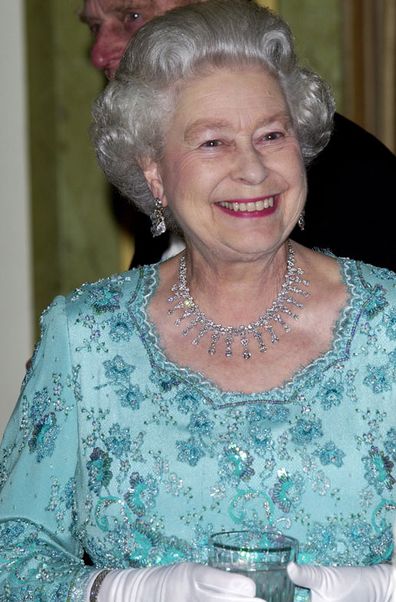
114, 6
110, 6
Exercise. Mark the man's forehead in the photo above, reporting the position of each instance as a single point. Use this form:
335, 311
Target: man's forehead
116, 5
97, 7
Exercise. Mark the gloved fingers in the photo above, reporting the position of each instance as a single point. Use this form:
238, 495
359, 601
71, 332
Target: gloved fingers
221, 582
211, 595
332, 582
306, 575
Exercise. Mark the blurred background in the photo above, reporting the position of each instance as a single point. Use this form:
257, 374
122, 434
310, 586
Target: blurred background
58, 226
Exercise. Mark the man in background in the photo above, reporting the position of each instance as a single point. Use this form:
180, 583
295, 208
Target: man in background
350, 184
112, 24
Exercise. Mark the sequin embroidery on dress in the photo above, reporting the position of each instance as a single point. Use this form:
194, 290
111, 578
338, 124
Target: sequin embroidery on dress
136, 461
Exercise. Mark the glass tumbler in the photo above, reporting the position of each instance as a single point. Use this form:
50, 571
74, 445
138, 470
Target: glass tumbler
262, 556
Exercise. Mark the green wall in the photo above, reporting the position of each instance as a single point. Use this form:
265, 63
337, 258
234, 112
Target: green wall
317, 27
75, 238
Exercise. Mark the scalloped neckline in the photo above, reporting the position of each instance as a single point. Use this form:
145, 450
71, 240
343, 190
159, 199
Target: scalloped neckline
343, 332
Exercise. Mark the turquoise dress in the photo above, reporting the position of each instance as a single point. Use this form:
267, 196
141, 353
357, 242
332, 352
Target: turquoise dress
115, 450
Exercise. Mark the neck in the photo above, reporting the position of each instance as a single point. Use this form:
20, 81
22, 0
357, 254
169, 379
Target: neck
192, 317
235, 290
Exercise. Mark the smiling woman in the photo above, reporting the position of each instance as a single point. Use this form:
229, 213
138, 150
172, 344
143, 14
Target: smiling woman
238, 385
231, 172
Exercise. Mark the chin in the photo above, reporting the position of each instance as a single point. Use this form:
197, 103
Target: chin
257, 243
249, 252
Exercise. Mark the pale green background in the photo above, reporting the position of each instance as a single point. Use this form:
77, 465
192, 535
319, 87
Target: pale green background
317, 27
75, 238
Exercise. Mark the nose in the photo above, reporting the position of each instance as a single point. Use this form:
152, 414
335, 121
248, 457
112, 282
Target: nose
249, 166
108, 48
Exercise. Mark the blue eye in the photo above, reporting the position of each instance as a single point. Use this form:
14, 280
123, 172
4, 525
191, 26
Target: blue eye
273, 136
211, 143
133, 16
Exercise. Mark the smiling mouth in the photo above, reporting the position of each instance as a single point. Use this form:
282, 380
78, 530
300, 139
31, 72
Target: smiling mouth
248, 206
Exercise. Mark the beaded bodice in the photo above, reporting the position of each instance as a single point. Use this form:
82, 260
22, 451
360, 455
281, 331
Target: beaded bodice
137, 461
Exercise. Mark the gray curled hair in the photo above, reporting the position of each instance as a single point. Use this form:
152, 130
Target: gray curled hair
131, 115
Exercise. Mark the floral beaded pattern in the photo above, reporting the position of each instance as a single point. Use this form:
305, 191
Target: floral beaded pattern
233, 452
162, 458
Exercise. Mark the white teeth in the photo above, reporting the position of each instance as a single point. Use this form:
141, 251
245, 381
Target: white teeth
250, 206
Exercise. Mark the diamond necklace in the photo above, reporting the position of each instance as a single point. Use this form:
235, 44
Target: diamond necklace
264, 325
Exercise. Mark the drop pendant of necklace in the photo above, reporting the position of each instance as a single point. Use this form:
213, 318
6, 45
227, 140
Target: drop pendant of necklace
262, 329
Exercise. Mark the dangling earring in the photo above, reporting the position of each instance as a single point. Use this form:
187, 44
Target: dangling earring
301, 220
158, 225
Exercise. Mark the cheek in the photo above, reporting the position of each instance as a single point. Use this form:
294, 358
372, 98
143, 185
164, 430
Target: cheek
301, 177
293, 167
181, 174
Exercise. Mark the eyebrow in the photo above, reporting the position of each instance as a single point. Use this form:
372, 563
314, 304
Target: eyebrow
116, 7
283, 116
201, 125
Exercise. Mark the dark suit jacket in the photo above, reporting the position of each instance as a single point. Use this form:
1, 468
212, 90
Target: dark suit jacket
351, 195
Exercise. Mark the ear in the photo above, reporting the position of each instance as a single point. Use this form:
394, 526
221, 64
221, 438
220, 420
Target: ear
153, 176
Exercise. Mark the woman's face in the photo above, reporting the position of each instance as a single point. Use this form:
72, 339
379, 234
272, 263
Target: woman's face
232, 172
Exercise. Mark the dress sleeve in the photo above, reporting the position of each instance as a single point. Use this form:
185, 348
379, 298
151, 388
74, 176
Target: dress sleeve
40, 555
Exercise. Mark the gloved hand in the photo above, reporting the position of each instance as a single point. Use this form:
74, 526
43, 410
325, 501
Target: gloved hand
187, 582
345, 584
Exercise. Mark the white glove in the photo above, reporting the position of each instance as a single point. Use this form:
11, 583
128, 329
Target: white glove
345, 584
186, 582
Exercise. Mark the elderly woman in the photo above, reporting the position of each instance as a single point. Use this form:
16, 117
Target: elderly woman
247, 382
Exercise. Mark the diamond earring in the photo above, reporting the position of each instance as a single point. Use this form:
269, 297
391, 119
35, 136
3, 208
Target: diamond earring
158, 225
301, 220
